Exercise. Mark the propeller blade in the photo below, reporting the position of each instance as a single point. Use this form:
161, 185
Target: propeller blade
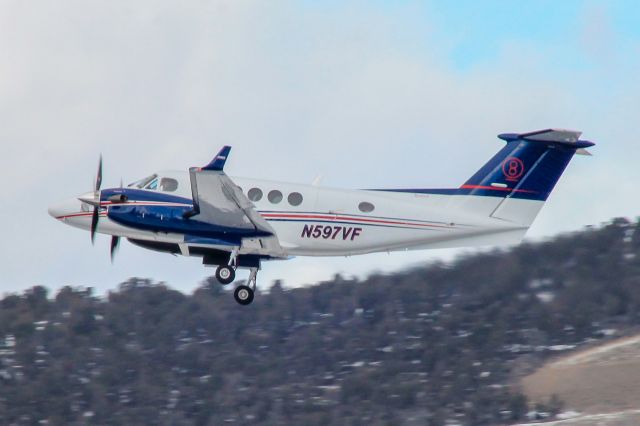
115, 242
95, 217
99, 175
94, 223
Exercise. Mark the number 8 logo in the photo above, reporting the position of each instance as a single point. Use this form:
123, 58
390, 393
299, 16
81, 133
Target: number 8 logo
513, 168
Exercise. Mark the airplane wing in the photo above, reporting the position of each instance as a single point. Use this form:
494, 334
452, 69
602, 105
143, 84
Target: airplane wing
219, 201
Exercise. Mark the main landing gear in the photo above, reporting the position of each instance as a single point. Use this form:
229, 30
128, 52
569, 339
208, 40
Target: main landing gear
225, 274
244, 293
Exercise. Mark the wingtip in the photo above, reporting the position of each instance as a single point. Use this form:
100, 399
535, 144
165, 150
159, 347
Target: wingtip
219, 160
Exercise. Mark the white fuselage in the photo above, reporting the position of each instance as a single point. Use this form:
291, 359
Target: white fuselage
324, 221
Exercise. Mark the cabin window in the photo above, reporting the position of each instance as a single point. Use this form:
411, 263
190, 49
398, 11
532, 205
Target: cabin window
255, 194
168, 184
366, 207
275, 196
295, 198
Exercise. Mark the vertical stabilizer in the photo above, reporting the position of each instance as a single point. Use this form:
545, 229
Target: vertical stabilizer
521, 175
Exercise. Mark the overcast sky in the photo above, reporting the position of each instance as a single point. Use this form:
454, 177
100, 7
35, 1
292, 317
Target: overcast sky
366, 93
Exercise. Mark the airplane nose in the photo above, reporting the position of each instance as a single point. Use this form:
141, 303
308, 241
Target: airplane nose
62, 209
56, 210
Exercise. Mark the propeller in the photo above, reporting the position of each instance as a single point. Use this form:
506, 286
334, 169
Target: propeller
115, 242
94, 200
96, 208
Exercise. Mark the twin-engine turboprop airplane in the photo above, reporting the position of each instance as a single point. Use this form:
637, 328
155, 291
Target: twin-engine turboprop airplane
238, 223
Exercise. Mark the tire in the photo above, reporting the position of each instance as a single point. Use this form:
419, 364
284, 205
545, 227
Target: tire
225, 274
243, 295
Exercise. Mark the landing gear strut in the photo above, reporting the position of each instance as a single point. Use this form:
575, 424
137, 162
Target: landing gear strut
244, 293
227, 273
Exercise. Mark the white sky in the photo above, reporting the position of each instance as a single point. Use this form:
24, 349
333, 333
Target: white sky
365, 94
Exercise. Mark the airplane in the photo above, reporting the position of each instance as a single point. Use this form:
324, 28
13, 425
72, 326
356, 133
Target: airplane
240, 223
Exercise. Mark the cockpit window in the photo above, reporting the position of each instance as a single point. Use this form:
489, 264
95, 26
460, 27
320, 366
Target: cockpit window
153, 185
168, 184
142, 182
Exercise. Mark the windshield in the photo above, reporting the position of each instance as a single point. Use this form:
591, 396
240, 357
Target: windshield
142, 182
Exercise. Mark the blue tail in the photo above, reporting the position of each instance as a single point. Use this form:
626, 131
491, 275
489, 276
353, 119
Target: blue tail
529, 166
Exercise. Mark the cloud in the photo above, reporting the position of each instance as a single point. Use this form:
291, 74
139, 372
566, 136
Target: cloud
361, 93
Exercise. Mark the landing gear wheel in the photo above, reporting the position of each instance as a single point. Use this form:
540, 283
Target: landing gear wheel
225, 274
243, 295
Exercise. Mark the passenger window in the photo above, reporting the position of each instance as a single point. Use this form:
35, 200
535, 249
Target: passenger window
275, 196
295, 198
366, 207
168, 184
255, 194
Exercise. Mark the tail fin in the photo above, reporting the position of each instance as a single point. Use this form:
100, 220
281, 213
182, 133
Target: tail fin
525, 172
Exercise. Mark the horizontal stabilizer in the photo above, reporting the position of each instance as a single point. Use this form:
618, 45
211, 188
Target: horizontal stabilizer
552, 135
583, 151
555, 136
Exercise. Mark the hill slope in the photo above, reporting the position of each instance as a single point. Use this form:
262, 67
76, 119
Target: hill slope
602, 379
437, 344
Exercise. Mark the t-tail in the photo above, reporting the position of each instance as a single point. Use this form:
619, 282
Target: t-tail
520, 177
